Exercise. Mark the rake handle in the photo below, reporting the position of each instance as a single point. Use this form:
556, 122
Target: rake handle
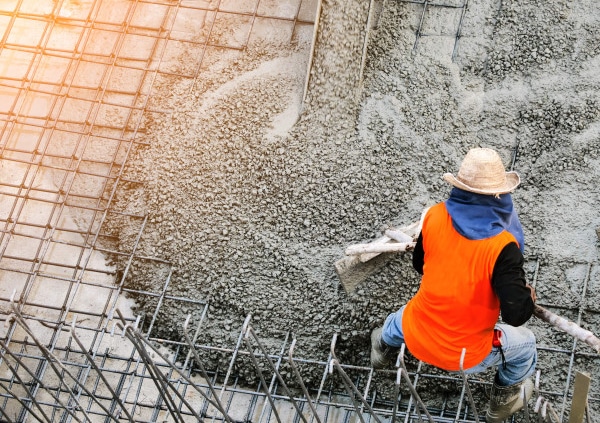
567, 326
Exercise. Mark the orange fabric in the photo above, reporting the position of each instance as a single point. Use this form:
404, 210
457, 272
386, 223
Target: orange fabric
455, 306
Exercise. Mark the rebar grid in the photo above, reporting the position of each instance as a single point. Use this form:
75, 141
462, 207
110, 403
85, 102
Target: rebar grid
573, 352
127, 374
58, 139
430, 24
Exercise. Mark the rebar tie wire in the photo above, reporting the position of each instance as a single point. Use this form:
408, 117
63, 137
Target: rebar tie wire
397, 393
467, 388
546, 413
56, 365
350, 387
98, 370
217, 402
413, 392
247, 330
30, 397
159, 379
543, 407
155, 374
301, 381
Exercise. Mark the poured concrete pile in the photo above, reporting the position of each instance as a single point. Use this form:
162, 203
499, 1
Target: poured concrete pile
253, 195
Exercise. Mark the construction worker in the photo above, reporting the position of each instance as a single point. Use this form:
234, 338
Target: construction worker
470, 256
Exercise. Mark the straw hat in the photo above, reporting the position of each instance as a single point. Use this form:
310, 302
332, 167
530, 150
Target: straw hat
482, 172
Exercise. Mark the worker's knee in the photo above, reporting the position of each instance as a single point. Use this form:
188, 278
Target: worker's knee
392, 333
520, 353
519, 340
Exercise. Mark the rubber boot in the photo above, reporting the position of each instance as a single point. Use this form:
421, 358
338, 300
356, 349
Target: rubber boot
381, 353
507, 400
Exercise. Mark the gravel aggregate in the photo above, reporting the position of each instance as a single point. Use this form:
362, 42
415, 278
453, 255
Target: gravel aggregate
253, 194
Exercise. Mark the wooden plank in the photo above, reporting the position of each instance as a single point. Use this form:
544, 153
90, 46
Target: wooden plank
580, 397
312, 49
364, 50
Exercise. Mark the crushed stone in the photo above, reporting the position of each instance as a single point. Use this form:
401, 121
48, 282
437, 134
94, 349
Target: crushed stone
253, 195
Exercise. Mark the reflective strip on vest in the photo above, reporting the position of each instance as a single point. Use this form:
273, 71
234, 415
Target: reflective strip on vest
455, 306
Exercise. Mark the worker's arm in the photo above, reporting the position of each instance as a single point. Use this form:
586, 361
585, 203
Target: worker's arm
418, 255
509, 283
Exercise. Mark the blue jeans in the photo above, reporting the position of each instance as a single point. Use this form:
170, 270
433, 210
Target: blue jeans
518, 345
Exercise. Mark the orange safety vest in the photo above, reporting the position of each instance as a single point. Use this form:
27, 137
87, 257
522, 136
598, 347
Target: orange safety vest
455, 306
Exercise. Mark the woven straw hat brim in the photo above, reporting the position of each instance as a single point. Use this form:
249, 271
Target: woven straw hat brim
512, 181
